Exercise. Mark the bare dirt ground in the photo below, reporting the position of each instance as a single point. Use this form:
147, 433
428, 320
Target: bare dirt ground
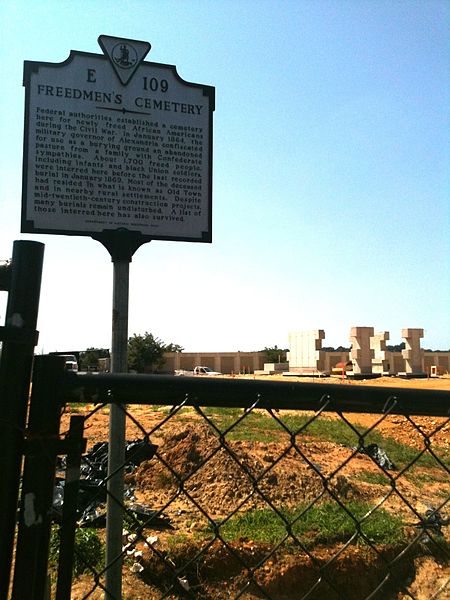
219, 486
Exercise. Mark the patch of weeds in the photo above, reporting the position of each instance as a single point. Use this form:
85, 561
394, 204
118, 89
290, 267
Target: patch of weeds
331, 430
422, 478
166, 410
339, 432
159, 408
324, 523
223, 417
256, 426
261, 525
176, 540
89, 550
165, 479
373, 478
259, 426
217, 411
330, 522
254, 432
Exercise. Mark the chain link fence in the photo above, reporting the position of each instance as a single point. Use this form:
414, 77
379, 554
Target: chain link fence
241, 489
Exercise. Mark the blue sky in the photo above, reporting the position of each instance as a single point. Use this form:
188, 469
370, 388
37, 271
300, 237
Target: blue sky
330, 181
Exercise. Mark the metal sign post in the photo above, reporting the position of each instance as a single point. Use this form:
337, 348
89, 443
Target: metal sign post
121, 246
118, 149
116, 448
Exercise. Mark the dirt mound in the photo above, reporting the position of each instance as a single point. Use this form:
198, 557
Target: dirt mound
224, 476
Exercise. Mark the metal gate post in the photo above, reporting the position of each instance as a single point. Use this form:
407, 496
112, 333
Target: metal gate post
41, 447
19, 339
70, 506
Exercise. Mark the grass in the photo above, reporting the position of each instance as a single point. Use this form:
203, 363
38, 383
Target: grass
174, 541
74, 407
256, 426
422, 478
259, 426
165, 479
324, 523
371, 477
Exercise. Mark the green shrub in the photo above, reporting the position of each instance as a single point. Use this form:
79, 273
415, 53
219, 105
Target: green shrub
89, 550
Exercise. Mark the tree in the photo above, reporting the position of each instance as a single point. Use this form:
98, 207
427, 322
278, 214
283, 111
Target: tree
275, 354
146, 352
173, 348
396, 347
89, 358
333, 349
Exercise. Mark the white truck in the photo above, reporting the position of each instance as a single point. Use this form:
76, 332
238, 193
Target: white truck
71, 362
199, 370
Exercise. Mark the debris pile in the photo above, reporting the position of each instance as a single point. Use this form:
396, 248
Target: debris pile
91, 499
379, 456
433, 521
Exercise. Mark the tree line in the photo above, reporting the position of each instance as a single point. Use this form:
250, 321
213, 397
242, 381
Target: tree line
145, 354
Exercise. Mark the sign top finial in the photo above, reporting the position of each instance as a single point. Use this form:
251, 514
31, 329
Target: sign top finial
125, 55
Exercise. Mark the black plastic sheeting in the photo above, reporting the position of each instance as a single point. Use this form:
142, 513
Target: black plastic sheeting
95, 463
91, 501
433, 521
379, 456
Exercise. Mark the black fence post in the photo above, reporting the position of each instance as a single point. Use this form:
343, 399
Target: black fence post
70, 506
41, 447
19, 338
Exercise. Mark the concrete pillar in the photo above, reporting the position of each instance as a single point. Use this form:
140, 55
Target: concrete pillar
413, 354
360, 354
380, 362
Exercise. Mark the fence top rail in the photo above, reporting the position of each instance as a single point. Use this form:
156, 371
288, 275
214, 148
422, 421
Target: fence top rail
220, 392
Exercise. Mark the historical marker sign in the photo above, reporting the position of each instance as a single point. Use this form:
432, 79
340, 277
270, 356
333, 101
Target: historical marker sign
113, 142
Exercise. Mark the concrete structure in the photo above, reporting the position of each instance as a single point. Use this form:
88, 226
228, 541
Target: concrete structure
240, 362
440, 360
380, 361
273, 368
434, 363
361, 354
368, 354
305, 351
334, 358
223, 362
413, 354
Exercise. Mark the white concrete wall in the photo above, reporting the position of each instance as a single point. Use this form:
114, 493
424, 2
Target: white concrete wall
224, 362
305, 350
